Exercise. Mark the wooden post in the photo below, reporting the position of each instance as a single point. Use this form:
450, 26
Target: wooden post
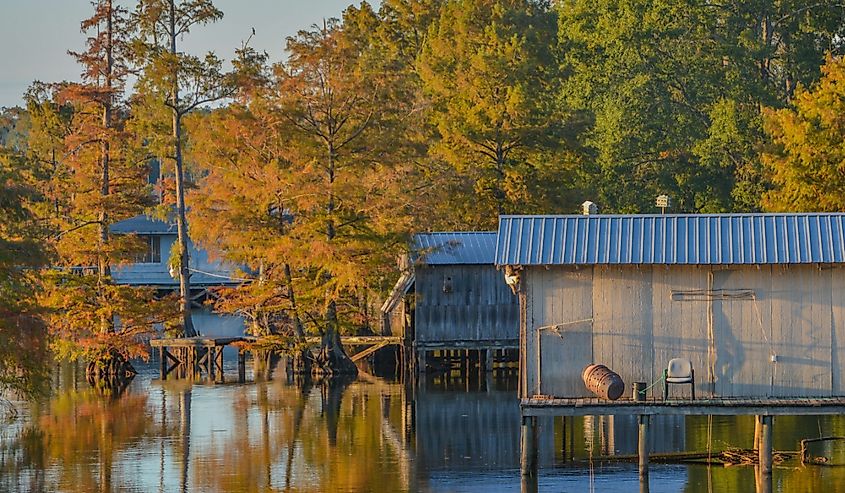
528, 462
489, 358
765, 452
529, 484
219, 364
162, 364
563, 436
241, 366
642, 421
421, 360
183, 359
192, 362
762, 482
211, 362
757, 430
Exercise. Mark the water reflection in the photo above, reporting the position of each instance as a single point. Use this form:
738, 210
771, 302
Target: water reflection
364, 435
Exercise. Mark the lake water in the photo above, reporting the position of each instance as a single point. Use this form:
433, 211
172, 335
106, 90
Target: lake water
366, 435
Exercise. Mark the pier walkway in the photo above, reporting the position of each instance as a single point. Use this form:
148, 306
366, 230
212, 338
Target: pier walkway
193, 356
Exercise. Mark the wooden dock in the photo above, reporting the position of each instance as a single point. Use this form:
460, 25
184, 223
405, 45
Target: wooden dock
765, 409
202, 356
773, 406
191, 357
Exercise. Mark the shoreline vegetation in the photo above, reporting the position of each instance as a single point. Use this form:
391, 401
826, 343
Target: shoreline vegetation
312, 172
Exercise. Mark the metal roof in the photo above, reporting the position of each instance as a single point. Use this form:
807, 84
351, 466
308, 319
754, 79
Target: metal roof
671, 239
445, 248
144, 225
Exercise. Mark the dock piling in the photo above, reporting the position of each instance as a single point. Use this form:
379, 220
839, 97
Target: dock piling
765, 453
162, 362
642, 421
528, 462
241, 366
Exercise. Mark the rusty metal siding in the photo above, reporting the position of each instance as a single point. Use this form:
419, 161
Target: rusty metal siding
709, 239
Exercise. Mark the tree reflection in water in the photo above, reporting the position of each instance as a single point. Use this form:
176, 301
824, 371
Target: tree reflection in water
73, 441
339, 435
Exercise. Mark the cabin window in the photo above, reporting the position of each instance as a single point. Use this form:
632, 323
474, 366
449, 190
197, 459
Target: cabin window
447, 285
152, 252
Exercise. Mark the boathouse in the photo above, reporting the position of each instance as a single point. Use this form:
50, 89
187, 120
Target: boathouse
450, 297
151, 267
755, 301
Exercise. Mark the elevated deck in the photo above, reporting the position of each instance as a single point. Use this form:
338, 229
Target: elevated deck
774, 406
191, 357
208, 341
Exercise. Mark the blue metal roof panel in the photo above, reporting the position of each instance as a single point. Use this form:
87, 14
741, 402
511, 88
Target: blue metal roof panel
143, 225
671, 239
446, 248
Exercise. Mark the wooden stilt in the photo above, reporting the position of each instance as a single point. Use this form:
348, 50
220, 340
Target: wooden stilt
757, 431
529, 484
765, 452
241, 366
763, 482
182, 360
489, 359
421, 361
162, 362
192, 362
563, 436
642, 421
212, 354
219, 363
528, 462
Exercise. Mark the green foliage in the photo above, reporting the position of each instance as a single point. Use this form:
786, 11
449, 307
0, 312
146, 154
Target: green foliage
675, 90
806, 158
490, 69
23, 338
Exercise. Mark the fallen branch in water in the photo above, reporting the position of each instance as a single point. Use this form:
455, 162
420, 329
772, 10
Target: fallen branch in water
729, 457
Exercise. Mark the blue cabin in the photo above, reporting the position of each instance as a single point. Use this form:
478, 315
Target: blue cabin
152, 269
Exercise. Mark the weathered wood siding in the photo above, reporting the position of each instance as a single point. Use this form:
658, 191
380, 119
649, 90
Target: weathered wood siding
728, 321
395, 320
479, 308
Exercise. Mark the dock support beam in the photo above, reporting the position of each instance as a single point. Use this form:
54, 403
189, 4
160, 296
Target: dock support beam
528, 462
241, 366
162, 362
421, 360
489, 359
765, 453
642, 421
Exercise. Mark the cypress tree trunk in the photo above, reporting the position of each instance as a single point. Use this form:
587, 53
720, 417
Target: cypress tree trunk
181, 222
301, 359
332, 359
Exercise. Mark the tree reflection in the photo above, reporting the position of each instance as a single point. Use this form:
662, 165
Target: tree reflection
325, 435
73, 442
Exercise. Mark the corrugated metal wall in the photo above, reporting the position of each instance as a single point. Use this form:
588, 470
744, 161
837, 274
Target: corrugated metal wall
727, 321
480, 306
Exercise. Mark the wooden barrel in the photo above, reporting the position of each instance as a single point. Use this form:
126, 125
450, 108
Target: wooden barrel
603, 382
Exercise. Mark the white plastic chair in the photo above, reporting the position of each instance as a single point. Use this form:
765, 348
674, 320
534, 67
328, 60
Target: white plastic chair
679, 371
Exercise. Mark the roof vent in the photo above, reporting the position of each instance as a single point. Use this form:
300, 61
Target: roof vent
588, 208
